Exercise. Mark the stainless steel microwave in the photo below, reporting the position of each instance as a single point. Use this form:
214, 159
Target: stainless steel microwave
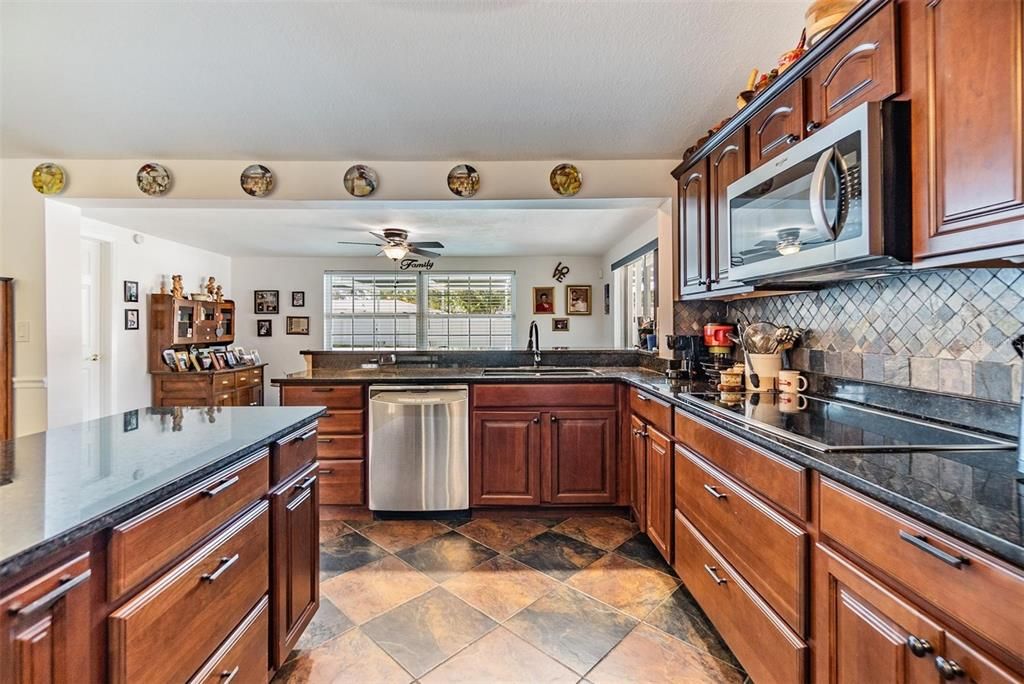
835, 206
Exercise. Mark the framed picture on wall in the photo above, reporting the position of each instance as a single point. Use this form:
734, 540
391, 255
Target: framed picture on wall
264, 328
131, 420
131, 319
607, 298
297, 325
131, 291
578, 300
298, 299
560, 324
543, 300
267, 301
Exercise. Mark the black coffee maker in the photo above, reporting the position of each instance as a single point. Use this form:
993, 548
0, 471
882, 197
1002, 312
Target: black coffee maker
686, 352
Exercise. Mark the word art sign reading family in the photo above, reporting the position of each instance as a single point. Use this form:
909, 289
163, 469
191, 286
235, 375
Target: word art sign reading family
416, 264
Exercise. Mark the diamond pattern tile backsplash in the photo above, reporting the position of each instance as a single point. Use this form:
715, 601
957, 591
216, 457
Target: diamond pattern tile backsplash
948, 330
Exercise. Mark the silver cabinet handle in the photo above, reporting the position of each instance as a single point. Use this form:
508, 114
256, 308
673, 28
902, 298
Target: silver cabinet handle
306, 484
225, 563
948, 669
325, 471
713, 571
303, 438
324, 440
51, 597
921, 542
919, 647
221, 487
554, 418
227, 675
713, 491
641, 397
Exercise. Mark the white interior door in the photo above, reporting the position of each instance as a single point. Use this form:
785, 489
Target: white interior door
93, 352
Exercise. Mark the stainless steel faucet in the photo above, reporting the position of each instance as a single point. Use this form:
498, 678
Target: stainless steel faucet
534, 342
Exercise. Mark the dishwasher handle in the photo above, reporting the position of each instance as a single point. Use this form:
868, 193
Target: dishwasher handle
418, 396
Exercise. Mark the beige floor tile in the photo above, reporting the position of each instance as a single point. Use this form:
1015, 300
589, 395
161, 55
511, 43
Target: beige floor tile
395, 535
500, 587
375, 588
501, 658
649, 656
632, 588
352, 657
502, 534
604, 533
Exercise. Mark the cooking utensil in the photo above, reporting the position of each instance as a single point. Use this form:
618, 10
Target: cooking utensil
759, 338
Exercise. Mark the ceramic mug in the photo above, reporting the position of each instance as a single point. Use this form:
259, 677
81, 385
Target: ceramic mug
792, 403
792, 381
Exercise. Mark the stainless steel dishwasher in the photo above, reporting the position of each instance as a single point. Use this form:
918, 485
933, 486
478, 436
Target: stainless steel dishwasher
419, 448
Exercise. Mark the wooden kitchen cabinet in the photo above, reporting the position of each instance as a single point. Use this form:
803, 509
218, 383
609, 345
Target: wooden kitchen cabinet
579, 465
727, 163
659, 492
505, 458
967, 108
862, 68
46, 628
778, 126
692, 219
294, 562
638, 472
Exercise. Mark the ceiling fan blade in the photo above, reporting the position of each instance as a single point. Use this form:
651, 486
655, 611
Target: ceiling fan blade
380, 237
436, 245
368, 244
423, 252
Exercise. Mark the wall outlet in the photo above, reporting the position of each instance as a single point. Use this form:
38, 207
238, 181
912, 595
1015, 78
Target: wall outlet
21, 331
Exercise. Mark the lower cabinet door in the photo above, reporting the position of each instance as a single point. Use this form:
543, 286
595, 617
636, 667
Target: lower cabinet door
46, 628
659, 492
579, 461
294, 562
866, 633
638, 471
505, 458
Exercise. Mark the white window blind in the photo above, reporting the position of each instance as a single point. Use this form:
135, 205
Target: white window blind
370, 310
468, 310
379, 310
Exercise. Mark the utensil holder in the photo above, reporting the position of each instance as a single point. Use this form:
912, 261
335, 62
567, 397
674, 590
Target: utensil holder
767, 367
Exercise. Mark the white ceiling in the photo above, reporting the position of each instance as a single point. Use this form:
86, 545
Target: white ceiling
485, 228
378, 80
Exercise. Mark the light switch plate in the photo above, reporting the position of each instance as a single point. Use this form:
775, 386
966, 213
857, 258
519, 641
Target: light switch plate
21, 331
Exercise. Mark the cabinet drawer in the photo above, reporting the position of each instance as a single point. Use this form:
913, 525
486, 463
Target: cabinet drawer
243, 655
341, 482
342, 422
291, 453
224, 381
141, 546
332, 396
980, 592
340, 446
185, 384
225, 398
167, 631
768, 650
654, 411
777, 480
541, 395
769, 551
860, 69
248, 378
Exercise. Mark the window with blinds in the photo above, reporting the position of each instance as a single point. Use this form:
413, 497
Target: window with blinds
378, 310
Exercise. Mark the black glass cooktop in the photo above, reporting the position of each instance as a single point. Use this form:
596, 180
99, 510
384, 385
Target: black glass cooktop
826, 425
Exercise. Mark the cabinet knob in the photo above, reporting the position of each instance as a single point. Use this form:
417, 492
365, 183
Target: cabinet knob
948, 669
812, 126
919, 647
536, 420
554, 418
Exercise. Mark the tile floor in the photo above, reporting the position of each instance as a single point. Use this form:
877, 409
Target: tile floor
582, 599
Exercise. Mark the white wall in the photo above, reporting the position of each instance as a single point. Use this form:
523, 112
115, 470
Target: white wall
22, 236
125, 369
306, 274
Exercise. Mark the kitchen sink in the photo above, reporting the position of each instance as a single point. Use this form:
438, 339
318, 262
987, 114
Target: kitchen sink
539, 372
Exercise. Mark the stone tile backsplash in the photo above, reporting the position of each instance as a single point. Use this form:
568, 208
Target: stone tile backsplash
948, 331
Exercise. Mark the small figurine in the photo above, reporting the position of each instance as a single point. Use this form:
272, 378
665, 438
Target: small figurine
177, 287
218, 293
211, 287
163, 285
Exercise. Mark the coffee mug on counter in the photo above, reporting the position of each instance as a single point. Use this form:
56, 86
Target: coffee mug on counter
792, 381
792, 403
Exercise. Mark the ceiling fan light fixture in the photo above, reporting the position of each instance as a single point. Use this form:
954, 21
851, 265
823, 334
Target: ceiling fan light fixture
395, 252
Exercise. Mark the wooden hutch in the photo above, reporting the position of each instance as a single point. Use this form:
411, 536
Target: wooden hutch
180, 323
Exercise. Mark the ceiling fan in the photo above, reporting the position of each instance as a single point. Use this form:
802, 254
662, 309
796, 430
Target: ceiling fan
394, 244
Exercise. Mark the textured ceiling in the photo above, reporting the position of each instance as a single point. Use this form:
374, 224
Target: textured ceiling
485, 228
410, 80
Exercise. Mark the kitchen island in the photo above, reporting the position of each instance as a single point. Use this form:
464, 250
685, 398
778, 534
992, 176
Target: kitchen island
162, 544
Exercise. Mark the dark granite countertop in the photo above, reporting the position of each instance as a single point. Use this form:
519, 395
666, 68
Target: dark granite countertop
64, 484
976, 496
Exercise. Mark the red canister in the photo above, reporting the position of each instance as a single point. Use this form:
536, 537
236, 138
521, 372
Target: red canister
716, 337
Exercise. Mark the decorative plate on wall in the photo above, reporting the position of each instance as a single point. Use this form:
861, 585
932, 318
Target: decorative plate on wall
48, 178
153, 179
463, 180
360, 180
566, 179
257, 180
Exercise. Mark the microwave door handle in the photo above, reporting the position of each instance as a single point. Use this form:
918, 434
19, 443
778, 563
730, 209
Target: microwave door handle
817, 194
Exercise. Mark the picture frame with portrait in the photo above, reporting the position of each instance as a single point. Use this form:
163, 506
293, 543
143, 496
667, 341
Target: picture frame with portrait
298, 299
560, 324
264, 327
578, 300
296, 325
131, 291
131, 319
266, 301
543, 300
